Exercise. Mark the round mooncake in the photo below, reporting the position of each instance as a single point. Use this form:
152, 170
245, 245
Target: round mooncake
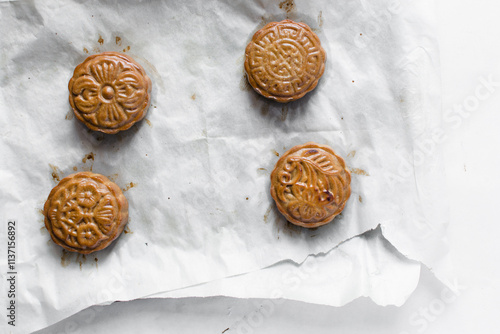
284, 60
310, 185
109, 92
85, 212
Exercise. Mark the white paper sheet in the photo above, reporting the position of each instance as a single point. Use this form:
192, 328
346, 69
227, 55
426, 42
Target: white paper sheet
367, 266
208, 142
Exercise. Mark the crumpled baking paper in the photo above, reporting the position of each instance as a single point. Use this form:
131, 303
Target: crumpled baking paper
196, 170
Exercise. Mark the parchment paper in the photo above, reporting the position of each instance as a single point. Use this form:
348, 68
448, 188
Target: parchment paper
196, 171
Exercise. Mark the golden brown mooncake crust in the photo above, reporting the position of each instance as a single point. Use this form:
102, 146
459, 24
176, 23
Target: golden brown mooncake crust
310, 185
284, 60
85, 212
109, 92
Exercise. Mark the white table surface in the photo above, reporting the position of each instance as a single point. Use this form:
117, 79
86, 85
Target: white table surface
469, 35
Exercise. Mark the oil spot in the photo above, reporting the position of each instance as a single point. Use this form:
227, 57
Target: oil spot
75, 168
360, 34
193, 97
41, 212
265, 109
96, 260
96, 49
275, 153
85, 50
263, 22
268, 211
118, 40
360, 199
100, 40
353, 81
43, 228
81, 259
113, 177
126, 49
261, 170
65, 258
359, 171
240, 59
244, 85
246, 198
148, 122
352, 154
287, 5
284, 112
89, 156
130, 185
127, 230
55, 173
69, 115
292, 229
320, 18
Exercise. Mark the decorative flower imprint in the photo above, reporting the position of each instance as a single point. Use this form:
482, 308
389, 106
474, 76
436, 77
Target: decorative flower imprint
83, 212
311, 185
284, 60
109, 91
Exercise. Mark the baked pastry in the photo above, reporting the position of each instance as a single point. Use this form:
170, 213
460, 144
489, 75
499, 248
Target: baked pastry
85, 212
284, 60
109, 92
310, 185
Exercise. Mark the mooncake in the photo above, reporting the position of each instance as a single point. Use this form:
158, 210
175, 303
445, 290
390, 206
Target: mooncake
109, 92
85, 212
310, 185
284, 60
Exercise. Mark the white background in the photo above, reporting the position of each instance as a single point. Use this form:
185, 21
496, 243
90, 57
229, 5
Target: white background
469, 36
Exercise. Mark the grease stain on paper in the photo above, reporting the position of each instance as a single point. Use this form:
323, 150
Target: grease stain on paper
100, 40
284, 112
268, 211
288, 6
56, 173
320, 19
65, 258
128, 186
244, 84
69, 115
90, 156
359, 171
